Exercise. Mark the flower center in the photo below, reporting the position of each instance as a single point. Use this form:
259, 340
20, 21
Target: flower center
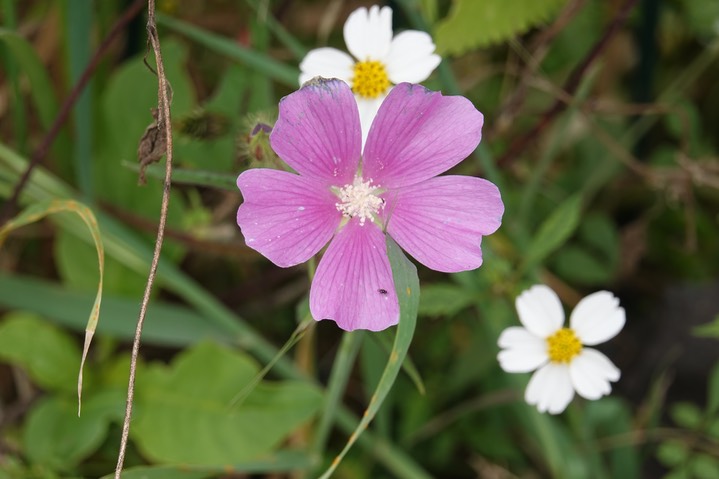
370, 79
359, 200
563, 345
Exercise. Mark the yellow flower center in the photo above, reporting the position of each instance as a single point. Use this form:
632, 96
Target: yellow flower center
563, 345
370, 79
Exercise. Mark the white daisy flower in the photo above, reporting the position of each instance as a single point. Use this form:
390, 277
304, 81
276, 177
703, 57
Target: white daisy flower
380, 60
563, 363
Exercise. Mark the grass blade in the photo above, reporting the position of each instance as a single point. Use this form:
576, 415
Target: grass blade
224, 46
407, 284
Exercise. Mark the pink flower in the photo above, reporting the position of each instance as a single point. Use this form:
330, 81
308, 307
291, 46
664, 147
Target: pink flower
351, 198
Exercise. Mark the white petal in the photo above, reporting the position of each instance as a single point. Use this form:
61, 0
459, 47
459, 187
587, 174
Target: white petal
368, 108
591, 372
327, 62
540, 310
597, 318
523, 351
550, 388
368, 34
411, 57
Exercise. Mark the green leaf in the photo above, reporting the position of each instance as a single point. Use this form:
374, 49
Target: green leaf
41, 85
576, 265
443, 299
171, 325
701, 16
554, 231
474, 23
687, 415
214, 154
407, 285
49, 355
184, 415
708, 330
713, 391
705, 466
672, 453
54, 435
281, 461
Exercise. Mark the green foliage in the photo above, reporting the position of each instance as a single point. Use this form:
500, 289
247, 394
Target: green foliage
593, 258
49, 355
55, 436
211, 432
443, 299
686, 455
474, 23
406, 283
618, 193
554, 231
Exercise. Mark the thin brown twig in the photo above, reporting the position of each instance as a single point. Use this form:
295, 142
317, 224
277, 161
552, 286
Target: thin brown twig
570, 87
10, 207
163, 106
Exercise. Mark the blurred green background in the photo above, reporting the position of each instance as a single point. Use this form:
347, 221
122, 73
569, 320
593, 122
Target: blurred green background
608, 168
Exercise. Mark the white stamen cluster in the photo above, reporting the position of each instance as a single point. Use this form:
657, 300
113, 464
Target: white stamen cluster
359, 200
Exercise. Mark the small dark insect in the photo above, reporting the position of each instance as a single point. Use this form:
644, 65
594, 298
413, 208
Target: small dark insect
382, 291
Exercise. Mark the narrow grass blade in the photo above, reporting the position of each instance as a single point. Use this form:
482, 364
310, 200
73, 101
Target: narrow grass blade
224, 46
407, 284
78, 31
341, 370
40, 210
171, 325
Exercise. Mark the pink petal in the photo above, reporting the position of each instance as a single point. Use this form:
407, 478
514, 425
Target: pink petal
441, 221
318, 131
286, 217
353, 285
419, 134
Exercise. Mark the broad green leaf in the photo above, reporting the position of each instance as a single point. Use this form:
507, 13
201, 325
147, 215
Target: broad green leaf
478, 23
49, 355
576, 265
687, 415
280, 461
407, 285
554, 231
184, 414
126, 104
672, 453
170, 324
443, 299
705, 466
222, 113
54, 435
